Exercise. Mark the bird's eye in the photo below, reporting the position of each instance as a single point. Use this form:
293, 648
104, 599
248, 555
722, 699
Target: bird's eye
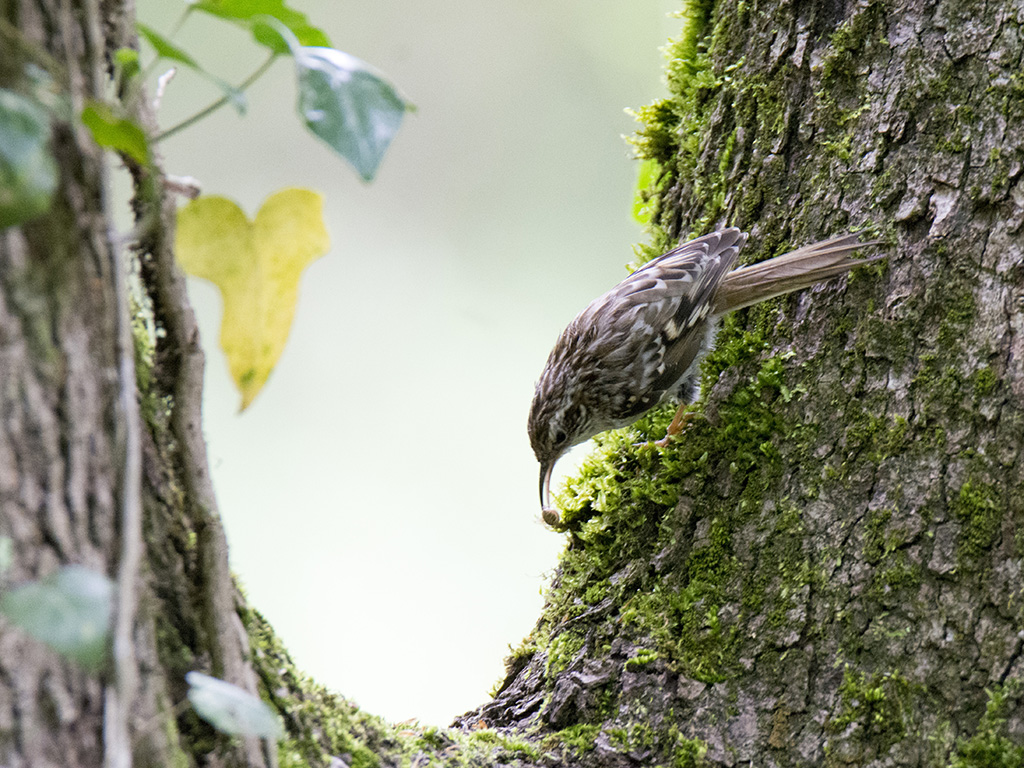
560, 436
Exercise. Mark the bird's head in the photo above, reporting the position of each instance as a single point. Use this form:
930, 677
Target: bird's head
558, 421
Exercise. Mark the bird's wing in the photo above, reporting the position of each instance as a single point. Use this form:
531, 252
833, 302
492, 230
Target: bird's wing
662, 310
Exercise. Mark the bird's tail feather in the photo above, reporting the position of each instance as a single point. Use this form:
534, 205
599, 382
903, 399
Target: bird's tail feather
793, 271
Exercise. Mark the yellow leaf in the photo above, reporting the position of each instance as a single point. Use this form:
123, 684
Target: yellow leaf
257, 266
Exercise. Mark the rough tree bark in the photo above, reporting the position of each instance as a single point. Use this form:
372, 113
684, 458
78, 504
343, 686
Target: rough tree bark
827, 569
74, 442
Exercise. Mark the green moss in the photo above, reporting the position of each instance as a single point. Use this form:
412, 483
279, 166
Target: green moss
877, 543
985, 382
595, 593
960, 309
878, 704
177, 756
849, 39
319, 724
654, 555
649, 183
939, 384
616, 511
696, 15
522, 652
894, 582
579, 739
888, 188
841, 85
643, 657
705, 646
689, 753
877, 436
432, 739
657, 139
840, 147
504, 748
980, 514
671, 128
562, 650
154, 409
638, 736
990, 746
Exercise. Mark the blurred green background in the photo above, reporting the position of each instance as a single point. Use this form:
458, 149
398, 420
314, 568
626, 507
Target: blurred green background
380, 495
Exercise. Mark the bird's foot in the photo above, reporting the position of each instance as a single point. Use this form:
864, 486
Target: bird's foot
680, 422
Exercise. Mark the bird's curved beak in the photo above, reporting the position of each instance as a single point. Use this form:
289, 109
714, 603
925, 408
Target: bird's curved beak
545, 484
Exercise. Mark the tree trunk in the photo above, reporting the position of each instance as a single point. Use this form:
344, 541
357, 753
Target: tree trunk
85, 478
826, 569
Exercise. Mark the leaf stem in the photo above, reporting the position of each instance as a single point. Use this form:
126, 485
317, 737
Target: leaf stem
181, 22
214, 106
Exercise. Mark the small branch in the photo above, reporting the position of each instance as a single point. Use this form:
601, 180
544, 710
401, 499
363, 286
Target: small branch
186, 186
125, 672
183, 364
119, 698
180, 22
214, 106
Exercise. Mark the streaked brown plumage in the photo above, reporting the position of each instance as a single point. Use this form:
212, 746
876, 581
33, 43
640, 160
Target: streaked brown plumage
642, 342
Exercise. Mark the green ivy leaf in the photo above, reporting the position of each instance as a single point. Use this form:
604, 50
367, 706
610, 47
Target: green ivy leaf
115, 132
348, 105
230, 709
249, 11
70, 611
28, 173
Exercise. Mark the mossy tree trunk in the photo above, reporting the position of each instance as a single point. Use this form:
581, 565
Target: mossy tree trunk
88, 477
827, 568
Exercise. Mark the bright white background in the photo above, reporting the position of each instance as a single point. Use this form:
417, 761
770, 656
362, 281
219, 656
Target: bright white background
380, 495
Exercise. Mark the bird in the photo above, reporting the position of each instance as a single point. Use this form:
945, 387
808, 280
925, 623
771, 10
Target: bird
641, 343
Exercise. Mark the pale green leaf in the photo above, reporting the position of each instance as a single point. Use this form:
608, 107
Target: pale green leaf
348, 105
116, 132
28, 172
230, 709
70, 611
